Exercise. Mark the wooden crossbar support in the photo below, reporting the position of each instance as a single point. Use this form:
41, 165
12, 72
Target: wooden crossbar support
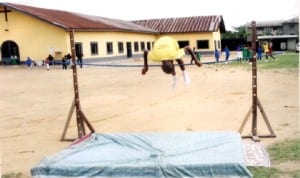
80, 117
254, 135
255, 101
68, 121
261, 109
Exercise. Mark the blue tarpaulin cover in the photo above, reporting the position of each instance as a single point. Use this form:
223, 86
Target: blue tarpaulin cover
159, 155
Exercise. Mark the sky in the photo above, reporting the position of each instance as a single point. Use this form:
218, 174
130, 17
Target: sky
235, 13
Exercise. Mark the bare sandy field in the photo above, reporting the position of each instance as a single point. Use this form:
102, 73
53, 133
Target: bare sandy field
35, 103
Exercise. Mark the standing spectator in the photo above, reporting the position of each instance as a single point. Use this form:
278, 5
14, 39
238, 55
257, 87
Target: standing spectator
68, 59
48, 60
79, 59
271, 50
250, 53
245, 53
197, 54
239, 55
259, 52
14, 60
217, 55
266, 49
64, 63
227, 54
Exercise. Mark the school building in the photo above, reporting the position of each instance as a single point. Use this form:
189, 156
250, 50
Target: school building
284, 34
27, 31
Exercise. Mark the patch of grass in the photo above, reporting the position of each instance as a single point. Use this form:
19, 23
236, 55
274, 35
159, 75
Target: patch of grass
288, 150
244, 65
285, 60
295, 174
262, 172
12, 175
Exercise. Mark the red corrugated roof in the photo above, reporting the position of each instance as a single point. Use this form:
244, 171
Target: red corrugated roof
70, 20
185, 24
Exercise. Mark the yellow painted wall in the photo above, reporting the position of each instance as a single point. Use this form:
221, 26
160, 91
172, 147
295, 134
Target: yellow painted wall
193, 37
217, 37
35, 38
101, 38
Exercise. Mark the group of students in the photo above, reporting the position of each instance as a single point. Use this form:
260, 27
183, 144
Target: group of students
245, 53
267, 48
218, 55
66, 60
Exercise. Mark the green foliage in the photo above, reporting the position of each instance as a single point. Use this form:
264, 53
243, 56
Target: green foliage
238, 33
12, 175
288, 150
295, 174
263, 172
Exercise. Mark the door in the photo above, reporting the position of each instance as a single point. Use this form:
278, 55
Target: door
78, 49
128, 49
10, 53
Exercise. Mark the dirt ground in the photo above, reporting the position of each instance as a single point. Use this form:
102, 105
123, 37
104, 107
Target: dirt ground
35, 103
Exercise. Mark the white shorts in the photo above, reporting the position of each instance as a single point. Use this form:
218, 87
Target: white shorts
239, 54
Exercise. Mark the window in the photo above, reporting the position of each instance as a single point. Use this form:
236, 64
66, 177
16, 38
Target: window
183, 44
136, 46
109, 48
292, 29
267, 31
142, 46
120, 47
148, 46
78, 48
202, 44
128, 49
94, 48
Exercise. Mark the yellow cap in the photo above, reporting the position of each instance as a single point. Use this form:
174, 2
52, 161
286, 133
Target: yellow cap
165, 48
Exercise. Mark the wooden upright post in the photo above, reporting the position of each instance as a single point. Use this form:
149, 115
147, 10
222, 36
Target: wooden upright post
255, 101
80, 117
254, 81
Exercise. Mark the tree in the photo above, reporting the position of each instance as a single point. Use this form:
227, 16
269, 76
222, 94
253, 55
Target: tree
234, 38
238, 33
